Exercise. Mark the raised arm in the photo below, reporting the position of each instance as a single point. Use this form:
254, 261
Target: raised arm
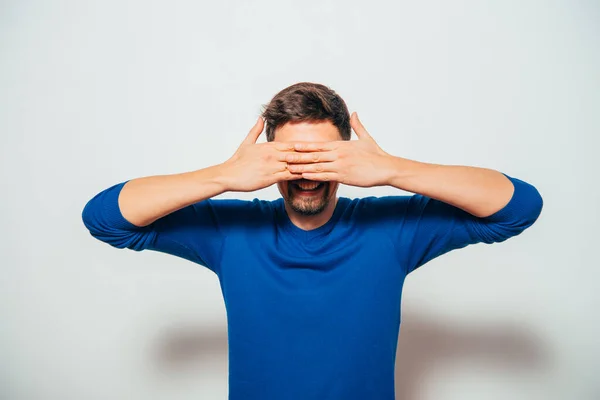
479, 191
437, 226
170, 213
453, 206
144, 200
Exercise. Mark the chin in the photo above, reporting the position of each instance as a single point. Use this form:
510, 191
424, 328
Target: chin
307, 197
308, 209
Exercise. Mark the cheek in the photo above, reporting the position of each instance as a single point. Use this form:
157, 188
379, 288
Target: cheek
333, 188
283, 188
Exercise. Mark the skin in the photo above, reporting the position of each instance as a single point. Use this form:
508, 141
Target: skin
307, 210
314, 152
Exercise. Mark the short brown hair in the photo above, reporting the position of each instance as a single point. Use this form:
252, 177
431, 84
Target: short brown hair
307, 102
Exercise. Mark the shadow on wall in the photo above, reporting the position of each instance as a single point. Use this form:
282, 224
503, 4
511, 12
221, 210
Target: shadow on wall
180, 348
423, 345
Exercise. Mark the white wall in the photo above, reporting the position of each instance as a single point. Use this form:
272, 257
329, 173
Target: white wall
94, 93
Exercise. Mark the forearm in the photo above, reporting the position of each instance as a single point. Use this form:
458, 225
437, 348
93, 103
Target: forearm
144, 200
478, 191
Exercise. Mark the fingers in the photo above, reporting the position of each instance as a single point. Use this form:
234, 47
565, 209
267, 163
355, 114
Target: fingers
322, 176
316, 146
358, 127
255, 132
310, 168
287, 176
282, 146
313, 176
307, 158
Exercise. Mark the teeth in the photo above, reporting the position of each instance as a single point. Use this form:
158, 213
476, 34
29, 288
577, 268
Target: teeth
308, 186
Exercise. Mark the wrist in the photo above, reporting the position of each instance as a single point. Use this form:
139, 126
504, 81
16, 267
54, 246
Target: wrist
215, 177
401, 170
221, 176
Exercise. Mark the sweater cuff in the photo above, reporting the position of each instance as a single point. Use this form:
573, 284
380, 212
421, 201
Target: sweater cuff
110, 208
525, 201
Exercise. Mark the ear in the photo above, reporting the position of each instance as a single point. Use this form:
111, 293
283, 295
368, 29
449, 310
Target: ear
358, 127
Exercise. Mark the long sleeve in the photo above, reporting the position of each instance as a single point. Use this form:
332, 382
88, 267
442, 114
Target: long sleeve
428, 228
192, 233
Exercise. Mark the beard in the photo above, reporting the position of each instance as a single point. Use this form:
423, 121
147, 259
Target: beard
308, 205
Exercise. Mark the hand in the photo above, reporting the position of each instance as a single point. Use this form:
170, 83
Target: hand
352, 162
257, 166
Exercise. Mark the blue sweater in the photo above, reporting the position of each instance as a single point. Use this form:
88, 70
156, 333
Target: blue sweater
312, 315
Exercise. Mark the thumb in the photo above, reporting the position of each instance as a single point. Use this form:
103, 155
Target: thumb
255, 132
358, 127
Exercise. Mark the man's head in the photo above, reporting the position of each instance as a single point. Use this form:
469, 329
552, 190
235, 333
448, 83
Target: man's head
307, 112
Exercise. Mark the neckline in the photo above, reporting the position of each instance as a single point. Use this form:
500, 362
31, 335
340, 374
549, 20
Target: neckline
288, 225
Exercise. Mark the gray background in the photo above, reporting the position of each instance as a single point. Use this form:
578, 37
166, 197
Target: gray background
94, 93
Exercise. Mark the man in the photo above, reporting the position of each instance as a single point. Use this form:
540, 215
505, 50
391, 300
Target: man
312, 283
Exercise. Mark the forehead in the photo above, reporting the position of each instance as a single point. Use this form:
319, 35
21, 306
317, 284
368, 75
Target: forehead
322, 131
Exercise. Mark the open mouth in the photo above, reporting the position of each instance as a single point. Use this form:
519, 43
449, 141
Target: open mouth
305, 186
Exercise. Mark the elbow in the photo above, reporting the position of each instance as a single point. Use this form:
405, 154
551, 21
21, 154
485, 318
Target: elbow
94, 220
520, 214
530, 212
87, 215
89, 219
535, 207
530, 209
525, 207
103, 229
